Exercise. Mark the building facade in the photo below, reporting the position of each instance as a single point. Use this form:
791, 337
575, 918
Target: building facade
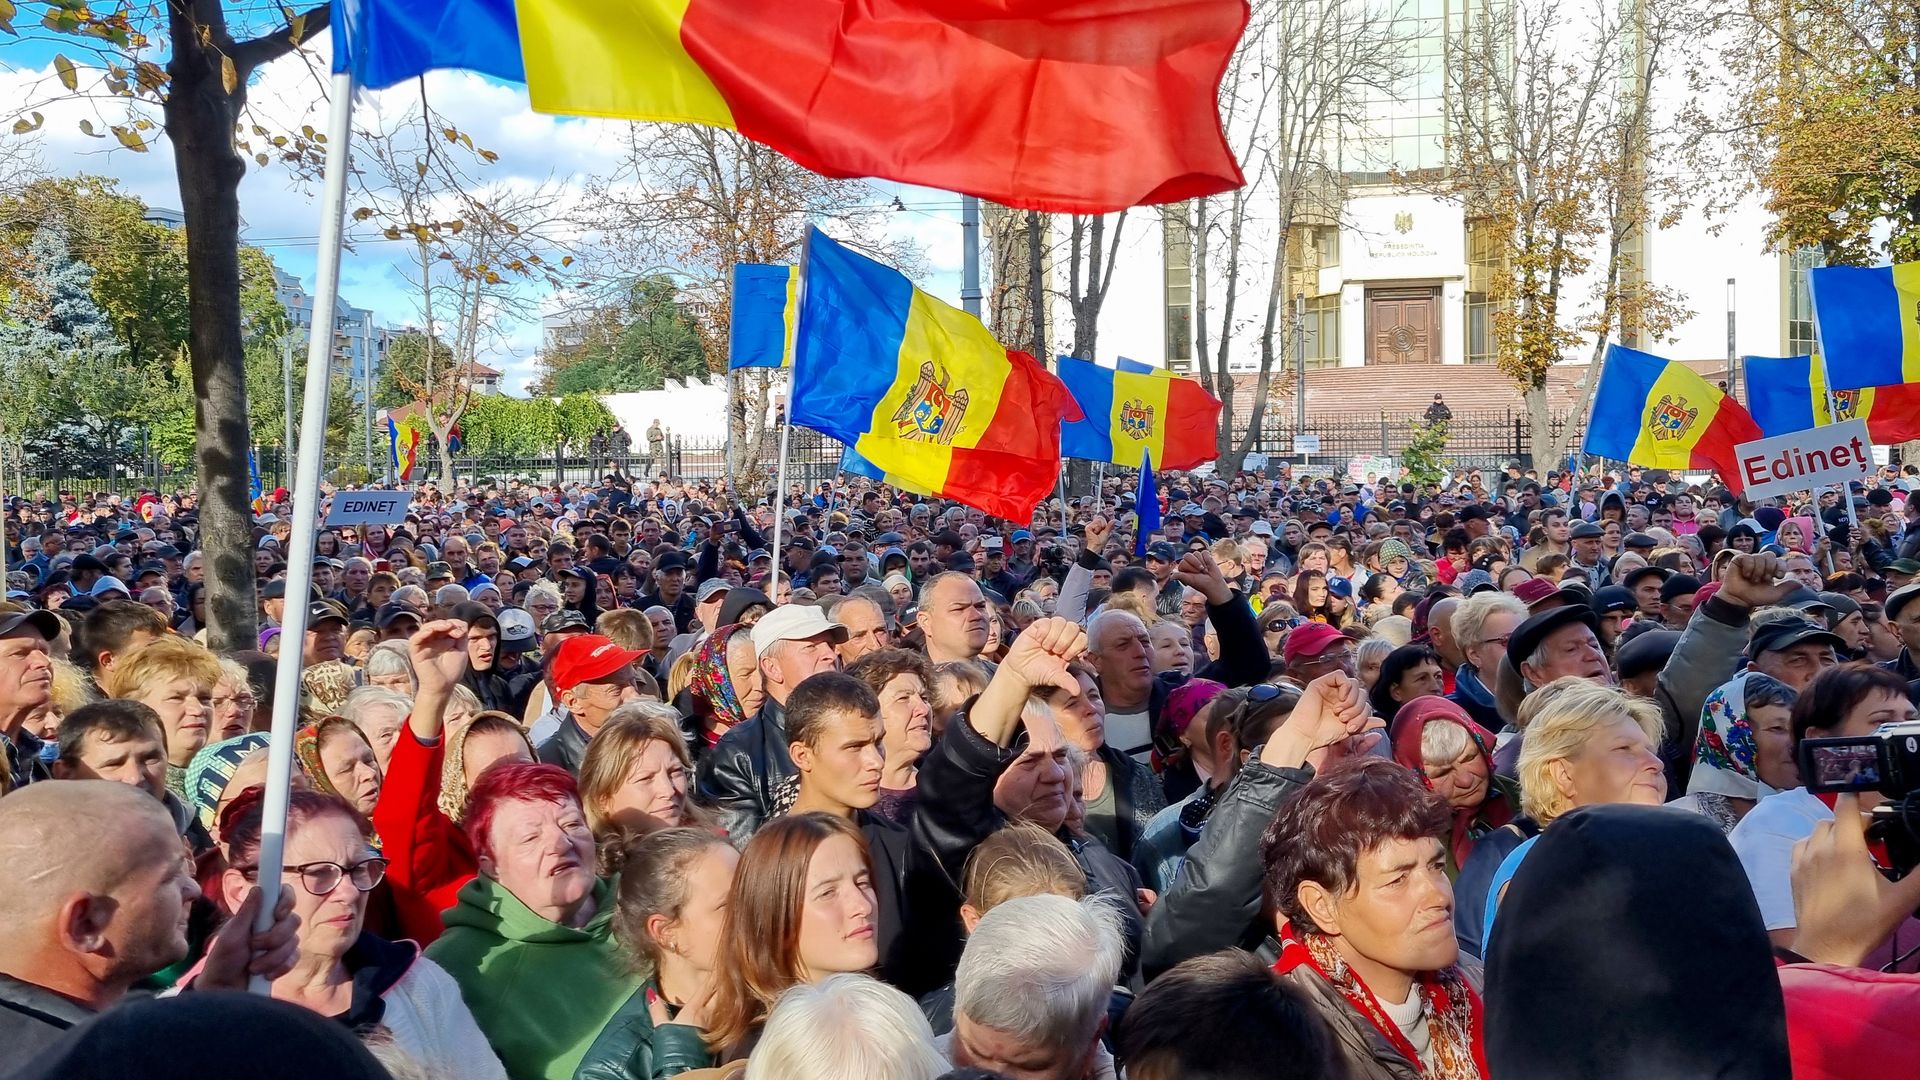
360, 340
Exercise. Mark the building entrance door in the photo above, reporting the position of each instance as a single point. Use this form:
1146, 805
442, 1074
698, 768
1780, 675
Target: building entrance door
1403, 325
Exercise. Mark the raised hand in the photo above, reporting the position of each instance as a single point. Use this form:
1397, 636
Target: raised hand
1199, 571
1755, 581
439, 654
1038, 658
1331, 713
1099, 531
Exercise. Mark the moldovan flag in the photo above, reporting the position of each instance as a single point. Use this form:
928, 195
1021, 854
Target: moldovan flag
1080, 106
920, 389
766, 307
1173, 420
1869, 323
403, 447
853, 464
1660, 415
1790, 394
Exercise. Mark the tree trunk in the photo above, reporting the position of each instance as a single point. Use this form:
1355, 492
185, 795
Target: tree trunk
1540, 423
200, 116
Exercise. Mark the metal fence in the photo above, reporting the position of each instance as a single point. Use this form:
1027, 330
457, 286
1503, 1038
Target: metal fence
1482, 439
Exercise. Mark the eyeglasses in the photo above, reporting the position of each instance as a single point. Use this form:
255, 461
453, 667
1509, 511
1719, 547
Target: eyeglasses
321, 878
238, 701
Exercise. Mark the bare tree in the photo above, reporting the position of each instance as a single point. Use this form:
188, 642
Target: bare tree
692, 202
475, 247
1296, 81
1552, 129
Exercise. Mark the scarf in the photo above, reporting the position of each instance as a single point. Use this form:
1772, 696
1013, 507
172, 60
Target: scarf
711, 683
1469, 824
1453, 1010
306, 751
1723, 752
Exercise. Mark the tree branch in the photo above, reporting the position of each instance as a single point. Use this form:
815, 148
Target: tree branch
268, 47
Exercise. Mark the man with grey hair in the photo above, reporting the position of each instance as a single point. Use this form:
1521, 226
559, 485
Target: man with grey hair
866, 623
1030, 996
1481, 627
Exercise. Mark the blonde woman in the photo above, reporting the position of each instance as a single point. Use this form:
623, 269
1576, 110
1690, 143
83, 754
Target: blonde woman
1582, 744
175, 678
635, 777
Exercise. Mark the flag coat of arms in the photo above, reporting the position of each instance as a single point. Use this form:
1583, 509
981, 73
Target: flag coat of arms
1661, 415
921, 390
1789, 393
1127, 412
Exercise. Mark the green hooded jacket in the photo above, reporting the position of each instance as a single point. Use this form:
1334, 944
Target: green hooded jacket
542, 992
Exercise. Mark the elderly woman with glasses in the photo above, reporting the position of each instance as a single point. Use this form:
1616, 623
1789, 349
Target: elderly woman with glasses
342, 970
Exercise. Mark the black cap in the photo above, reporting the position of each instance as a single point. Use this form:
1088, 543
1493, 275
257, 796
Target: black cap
1633, 578
1164, 551
389, 612
563, 620
1528, 635
1648, 651
949, 538
1587, 530
1613, 598
150, 568
1679, 585
83, 563
473, 614
1640, 540
274, 590
1782, 634
672, 560
320, 611
44, 621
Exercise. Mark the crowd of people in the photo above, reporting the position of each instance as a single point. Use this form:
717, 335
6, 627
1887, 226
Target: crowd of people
1320, 778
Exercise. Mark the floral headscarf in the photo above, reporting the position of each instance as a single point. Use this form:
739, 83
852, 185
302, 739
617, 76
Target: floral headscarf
306, 750
712, 684
1724, 751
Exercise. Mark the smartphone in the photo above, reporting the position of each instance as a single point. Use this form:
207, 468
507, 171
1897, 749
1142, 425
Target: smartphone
1850, 763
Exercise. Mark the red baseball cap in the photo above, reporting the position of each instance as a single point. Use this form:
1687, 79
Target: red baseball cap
1310, 639
1536, 590
586, 658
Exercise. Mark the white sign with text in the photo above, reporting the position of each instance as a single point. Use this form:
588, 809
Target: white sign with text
369, 508
1799, 460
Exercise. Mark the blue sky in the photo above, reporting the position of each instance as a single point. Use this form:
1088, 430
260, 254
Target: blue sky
281, 213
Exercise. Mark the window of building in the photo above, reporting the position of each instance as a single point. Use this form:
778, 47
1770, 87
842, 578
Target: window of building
1322, 329
1486, 258
1177, 246
1799, 306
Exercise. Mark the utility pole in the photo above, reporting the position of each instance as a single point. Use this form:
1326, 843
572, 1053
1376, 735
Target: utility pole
1733, 352
970, 255
1299, 363
366, 404
286, 407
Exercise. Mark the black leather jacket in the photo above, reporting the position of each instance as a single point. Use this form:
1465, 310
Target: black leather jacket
744, 775
1217, 900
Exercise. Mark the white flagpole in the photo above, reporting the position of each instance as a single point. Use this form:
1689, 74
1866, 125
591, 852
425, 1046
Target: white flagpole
306, 508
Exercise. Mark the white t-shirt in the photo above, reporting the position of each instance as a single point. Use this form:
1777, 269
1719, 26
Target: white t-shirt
1131, 732
1764, 842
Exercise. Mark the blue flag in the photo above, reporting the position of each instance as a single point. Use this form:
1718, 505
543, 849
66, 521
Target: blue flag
383, 42
1146, 504
766, 309
1133, 366
253, 479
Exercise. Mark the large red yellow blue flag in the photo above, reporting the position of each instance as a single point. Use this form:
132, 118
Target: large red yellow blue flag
1125, 413
1789, 393
921, 389
1082, 106
1869, 322
1659, 414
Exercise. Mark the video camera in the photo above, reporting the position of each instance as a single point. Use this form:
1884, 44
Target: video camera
1887, 761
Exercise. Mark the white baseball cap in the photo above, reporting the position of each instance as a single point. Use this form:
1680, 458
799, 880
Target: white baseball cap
794, 622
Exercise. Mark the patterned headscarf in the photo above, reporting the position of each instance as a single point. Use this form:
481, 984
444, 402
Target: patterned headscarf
1724, 751
1455, 1015
1394, 548
306, 750
712, 684
212, 766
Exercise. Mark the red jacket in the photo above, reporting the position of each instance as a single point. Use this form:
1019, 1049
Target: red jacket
1848, 1023
428, 857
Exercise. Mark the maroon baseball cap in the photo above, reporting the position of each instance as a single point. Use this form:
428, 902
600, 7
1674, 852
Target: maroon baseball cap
1310, 639
1536, 590
586, 658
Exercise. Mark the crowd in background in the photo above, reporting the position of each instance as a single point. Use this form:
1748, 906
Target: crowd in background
1321, 777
